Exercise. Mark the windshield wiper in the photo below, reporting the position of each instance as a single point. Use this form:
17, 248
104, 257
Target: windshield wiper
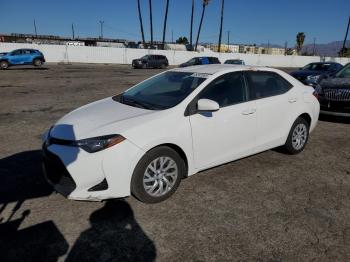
133, 102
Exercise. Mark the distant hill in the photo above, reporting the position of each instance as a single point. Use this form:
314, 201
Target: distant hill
330, 49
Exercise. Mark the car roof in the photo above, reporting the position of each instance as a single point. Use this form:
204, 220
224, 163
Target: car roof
321, 63
216, 68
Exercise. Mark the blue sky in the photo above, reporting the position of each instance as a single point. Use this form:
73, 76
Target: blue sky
253, 21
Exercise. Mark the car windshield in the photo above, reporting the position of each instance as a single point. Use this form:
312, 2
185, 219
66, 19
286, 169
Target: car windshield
145, 57
162, 91
317, 67
234, 62
345, 72
191, 61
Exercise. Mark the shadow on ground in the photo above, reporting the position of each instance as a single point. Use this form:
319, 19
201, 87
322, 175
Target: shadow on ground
113, 235
335, 119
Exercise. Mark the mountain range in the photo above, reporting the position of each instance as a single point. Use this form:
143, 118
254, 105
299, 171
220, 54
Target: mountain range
329, 49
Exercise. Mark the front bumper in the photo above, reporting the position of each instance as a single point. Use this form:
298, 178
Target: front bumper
334, 108
79, 175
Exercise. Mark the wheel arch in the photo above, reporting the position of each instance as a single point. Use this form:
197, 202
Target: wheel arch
178, 150
306, 117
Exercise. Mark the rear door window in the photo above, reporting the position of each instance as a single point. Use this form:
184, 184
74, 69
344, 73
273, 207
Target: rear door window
265, 84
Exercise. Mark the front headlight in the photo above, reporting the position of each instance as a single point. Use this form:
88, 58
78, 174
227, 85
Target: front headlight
95, 144
313, 79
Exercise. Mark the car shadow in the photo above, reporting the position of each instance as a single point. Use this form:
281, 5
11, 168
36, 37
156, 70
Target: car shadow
114, 235
334, 119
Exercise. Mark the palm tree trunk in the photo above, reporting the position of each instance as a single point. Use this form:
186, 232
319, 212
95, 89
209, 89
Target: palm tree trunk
151, 21
200, 27
141, 24
191, 25
222, 18
165, 20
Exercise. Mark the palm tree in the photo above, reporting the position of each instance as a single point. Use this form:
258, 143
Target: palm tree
222, 18
150, 18
300, 41
141, 25
191, 25
204, 5
165, 20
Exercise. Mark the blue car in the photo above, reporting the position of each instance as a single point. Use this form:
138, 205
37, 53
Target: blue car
203, 60
21, 57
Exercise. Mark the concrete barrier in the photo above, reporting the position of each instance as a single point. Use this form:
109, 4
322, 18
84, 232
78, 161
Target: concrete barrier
88, 54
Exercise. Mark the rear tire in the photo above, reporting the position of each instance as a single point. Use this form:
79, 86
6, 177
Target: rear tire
298, 137
157, 175
4, 65
37, 62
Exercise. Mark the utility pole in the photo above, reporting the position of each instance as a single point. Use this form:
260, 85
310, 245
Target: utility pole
228, 39
172, 36
36, 33
268, 47
101, 24
346, 35
285, 48
314, 47
73, 31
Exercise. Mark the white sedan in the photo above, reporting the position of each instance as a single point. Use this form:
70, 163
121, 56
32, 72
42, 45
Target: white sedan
173, 125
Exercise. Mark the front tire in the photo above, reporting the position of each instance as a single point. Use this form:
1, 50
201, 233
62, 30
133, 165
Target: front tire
157, 175
298, 136
4, 65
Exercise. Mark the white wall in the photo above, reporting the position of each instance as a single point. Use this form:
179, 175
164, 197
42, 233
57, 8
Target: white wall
86, 54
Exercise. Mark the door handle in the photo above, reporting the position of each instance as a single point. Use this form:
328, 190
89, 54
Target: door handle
249, 112
292, 100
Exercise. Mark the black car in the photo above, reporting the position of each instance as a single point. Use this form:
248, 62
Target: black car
313, 73
334, 93
150, 61
203, 60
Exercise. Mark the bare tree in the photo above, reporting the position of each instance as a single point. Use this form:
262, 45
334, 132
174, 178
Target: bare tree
141, 24
165, 20
222, 18
204, 5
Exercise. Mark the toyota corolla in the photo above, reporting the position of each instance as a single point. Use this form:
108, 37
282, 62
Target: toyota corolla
173, 125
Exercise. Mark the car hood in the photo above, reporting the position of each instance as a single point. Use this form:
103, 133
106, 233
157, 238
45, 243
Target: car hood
336, 83
103, 117
307, 73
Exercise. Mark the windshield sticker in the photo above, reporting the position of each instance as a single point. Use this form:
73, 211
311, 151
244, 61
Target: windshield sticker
201, 75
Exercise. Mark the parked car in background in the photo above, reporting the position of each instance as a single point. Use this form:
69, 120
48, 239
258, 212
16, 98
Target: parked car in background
334, 93
204, 60
22, 57
313, 73
150, 61
173, 125
234, 62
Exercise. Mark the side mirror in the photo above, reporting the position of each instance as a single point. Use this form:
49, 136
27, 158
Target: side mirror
207, 105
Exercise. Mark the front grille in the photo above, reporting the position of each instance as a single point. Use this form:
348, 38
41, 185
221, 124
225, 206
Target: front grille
57, 173
337, 94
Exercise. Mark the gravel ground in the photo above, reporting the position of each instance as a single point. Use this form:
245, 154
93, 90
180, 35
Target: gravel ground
268, 207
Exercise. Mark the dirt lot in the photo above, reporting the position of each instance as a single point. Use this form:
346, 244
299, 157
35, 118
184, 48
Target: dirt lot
268, 207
